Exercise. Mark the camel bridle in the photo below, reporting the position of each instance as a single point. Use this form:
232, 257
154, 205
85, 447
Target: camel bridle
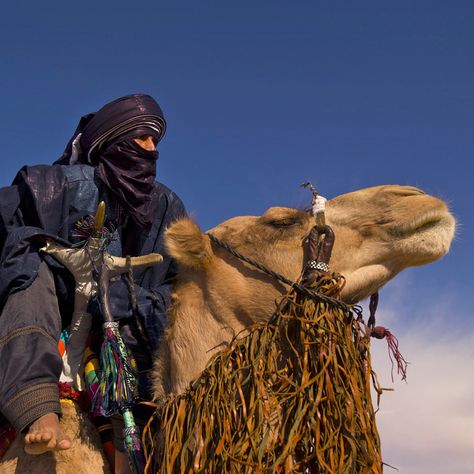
318, 251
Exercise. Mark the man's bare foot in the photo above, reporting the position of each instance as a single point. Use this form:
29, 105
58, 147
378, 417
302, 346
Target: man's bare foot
45, 434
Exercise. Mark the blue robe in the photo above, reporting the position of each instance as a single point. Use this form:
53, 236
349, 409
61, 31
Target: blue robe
47, 201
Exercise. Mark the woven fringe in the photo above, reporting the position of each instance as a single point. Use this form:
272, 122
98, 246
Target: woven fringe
291, 396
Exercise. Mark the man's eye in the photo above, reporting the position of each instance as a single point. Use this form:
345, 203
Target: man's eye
145, 138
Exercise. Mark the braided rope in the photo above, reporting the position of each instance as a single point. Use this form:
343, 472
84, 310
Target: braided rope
297, 286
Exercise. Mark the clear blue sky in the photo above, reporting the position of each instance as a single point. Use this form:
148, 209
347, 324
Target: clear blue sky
260, 96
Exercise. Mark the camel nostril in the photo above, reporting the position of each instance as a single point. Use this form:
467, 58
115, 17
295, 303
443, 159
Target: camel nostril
408, 191
416, 190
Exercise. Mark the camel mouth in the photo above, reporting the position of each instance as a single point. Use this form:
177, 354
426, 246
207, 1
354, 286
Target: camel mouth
430, 220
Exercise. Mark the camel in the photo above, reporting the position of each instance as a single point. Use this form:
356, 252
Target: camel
379, 232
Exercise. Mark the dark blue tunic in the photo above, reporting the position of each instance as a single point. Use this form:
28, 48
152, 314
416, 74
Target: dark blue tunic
48, 200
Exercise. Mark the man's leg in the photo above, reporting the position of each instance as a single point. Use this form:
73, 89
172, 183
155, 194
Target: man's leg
30, 325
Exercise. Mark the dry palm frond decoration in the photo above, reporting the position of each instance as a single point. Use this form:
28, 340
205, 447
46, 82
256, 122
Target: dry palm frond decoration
293, 395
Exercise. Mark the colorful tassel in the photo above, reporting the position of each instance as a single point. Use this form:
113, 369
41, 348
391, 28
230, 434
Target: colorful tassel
117, 388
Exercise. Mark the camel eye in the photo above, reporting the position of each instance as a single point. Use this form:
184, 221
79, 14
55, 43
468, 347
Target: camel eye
284, 223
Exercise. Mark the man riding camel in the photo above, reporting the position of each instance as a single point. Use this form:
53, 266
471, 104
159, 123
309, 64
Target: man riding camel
111, 157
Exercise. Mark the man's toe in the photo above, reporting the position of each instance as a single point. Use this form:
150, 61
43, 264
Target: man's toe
64, 444
45, 437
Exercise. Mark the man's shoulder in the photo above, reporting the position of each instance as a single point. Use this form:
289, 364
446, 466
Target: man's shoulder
28, 180
78, 172
68, 172
166, 192
28, 172
39, 180
172, 200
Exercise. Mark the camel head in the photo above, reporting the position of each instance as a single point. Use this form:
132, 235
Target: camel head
379, 232
383, 230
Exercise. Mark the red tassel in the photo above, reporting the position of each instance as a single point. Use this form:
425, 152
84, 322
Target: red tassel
379, 332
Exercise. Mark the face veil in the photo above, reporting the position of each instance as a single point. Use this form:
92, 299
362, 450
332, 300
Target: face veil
129, 172
104, 139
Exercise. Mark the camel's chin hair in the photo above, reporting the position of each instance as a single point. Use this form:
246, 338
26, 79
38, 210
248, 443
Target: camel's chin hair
430, 243
427, 245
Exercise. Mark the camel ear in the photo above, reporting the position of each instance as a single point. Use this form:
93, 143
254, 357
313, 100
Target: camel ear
187, 244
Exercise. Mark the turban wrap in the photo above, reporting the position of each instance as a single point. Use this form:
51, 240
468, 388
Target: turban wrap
104, 139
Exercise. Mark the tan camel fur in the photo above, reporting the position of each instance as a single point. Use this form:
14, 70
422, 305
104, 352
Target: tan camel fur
379, 232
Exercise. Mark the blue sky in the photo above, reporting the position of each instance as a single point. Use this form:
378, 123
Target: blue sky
261, 96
